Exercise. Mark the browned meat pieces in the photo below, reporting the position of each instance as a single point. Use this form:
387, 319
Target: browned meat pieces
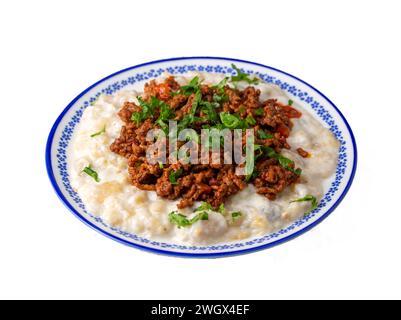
212, 183
273, 178
303, 153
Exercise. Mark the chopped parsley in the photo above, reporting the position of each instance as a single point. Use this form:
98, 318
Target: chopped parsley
92, 173
220, 86
250, 121
174, 175
147, 109
99, 132
182, 221
205, 206
286, 163
236, 215
190, 117
192, 87
209, 109
232, 121
310, 198
283, 161
290, 102
220, 98
166, 113
241, 76
259, 112
264, 135
221, 208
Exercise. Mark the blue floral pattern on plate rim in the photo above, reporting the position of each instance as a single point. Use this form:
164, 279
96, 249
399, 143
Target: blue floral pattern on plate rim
330, 117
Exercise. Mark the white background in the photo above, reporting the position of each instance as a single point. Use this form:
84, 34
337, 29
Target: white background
52, 50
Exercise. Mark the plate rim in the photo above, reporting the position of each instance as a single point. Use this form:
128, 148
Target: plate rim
63, 199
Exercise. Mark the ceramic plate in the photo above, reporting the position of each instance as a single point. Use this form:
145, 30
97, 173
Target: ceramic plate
135, 77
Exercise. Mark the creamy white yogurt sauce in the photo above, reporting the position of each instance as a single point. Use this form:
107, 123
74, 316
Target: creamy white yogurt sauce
122, 205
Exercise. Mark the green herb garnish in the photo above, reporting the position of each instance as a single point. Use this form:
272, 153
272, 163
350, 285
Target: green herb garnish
290, 102
220, 86
230, 121
174, 175
182, 221
241, 76
205, 206
209, 109
166, 112
192, 87
259, 112
220, 98
310, 198
236, 215
286, 163
250, 121
147, 109
264, 135
190, 117
92, 173
221, 208
99, 132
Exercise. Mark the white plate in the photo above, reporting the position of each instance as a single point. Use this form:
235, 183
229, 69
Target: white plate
301, 92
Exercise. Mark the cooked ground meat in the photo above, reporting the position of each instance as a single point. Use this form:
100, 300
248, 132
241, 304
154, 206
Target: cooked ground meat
303, 153
199, 106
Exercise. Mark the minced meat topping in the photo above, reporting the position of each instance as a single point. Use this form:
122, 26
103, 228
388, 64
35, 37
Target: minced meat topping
200, 106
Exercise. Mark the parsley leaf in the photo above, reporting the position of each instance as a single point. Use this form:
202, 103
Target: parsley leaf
259, 112
312, 199
182, 221
192, 87
290, 102
137, 117
286, 163
250, 121
220, 86
264, 135
190, 117
147, 109
205, 206
92, 173
221, 208
209, 109
220, 98
241, 76
230, 121
174, 175
166, 113
236, 215
99, 132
